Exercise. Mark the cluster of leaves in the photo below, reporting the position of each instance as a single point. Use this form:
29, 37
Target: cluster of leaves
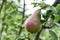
50, 21
10, 17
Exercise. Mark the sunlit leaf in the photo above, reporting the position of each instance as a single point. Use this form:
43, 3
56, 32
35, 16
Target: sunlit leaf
58, 7
57, 17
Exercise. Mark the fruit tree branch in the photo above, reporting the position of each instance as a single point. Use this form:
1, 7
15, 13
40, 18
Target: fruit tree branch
20, 30
56, 2
22, 17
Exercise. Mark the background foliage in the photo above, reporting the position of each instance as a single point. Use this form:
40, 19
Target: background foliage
11, 21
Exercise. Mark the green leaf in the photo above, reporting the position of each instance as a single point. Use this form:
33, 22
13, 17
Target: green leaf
42, 21
54, 36
57, 17
54, 11
19, 1
58, 12
35, 4
58, 7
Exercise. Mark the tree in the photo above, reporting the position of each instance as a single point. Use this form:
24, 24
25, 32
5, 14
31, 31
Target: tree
12, 20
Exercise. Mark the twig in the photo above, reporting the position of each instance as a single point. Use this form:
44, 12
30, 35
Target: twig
22, 18
20, 30
3, 2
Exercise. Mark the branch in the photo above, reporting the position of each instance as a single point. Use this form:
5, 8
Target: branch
56, 2
22, 18
37, 36
20, 30
3, 2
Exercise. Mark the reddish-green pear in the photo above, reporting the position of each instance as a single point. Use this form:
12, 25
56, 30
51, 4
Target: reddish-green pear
32, 24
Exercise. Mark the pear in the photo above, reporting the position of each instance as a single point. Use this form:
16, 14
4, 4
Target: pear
32, 24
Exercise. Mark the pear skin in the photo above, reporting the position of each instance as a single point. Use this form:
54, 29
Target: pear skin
32, 24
